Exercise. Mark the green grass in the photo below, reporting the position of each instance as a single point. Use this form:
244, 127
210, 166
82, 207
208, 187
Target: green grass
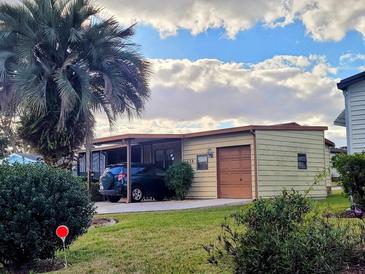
164, 242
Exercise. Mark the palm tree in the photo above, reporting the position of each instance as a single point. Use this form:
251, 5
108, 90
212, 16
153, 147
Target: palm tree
63, 62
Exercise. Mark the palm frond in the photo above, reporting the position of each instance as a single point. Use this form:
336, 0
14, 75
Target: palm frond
60, 63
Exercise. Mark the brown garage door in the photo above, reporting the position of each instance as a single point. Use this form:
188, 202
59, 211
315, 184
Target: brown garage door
234, 172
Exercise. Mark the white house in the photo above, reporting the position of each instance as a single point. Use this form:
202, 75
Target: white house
22, 158
353, 117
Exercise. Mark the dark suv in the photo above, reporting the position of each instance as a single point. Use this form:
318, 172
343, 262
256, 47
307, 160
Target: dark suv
147, 181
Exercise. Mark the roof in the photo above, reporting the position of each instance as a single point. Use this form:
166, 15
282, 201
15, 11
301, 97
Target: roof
23, 158
329, 143
338, 150
343, 84
34, 157
340, 120
286, 126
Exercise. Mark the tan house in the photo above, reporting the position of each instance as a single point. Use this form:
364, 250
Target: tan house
242, 162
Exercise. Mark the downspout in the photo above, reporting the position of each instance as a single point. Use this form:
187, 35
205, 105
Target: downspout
348, 122
182, 149
256, 165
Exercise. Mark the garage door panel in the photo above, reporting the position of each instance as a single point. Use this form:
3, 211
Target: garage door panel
234, 192
238, 179
235, 164
234, 172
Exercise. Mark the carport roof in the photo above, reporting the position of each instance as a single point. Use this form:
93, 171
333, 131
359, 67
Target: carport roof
151, 137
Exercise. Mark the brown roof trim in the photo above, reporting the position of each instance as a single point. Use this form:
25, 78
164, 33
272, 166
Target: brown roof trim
136, 136
286, 126
329, 143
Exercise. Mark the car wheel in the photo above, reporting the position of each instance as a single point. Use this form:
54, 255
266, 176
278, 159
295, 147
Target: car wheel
159, 197
137, 194
113, 199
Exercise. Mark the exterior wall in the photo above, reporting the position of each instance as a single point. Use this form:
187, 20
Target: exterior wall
205, 181
355, 117
328, 165
277, 161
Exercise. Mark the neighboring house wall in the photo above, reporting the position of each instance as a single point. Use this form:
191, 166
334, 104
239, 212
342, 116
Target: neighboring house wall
277, 161
205, 181
355, 117
328, 165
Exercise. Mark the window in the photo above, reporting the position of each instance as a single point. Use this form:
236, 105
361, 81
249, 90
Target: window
302, 161
170, 157
164, 158
82, 164
202, 162
160, 158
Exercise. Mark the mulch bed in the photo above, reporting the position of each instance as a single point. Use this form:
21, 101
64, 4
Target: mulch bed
343, 214
359, 269
39, 266
97, 222
358, 266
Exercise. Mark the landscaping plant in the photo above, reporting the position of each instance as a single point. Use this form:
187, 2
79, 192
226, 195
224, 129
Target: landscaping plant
179, 178
282, 235
34, 200
352, 175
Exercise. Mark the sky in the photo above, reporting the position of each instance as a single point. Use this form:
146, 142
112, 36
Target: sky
219, 64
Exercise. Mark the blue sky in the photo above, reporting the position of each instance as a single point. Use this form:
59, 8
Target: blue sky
250, 46
220, 64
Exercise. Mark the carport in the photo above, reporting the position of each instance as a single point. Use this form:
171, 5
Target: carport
159, 149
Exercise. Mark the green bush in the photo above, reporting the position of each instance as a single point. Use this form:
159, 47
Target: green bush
282, 235
352, 175
179, 178
34, 200
94, 192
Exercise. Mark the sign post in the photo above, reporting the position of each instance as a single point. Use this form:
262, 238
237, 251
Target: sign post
62, 232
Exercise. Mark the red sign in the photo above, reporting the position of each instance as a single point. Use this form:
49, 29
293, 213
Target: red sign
62, 231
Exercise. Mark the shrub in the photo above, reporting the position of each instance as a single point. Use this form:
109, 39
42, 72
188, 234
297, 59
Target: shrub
352, 175
179, 178
34, 200
281, 235
94, 192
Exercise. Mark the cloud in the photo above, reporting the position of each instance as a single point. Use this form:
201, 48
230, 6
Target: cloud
323, 19
351, 58
208, 93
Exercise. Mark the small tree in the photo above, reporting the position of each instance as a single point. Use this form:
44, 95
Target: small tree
352, 175
282, 235
179, 178
60, 63
4, 143
34, 200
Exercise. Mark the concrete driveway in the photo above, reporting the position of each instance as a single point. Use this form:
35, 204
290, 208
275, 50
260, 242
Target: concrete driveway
122, 207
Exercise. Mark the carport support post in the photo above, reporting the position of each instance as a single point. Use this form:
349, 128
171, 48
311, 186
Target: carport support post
129, 171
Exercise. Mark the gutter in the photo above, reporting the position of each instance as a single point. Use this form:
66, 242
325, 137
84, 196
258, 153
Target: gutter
253, 132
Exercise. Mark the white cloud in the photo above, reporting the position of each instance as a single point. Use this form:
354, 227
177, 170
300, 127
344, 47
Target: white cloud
351, 57
323, 19
207, 93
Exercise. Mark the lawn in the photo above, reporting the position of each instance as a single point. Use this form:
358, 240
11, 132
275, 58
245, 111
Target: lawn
163, 242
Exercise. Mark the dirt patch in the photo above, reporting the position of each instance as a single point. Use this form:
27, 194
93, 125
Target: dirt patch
97, 222
38, 266
360, 269
342, 214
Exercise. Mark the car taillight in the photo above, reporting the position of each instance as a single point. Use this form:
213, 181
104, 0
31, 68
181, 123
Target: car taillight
121, 176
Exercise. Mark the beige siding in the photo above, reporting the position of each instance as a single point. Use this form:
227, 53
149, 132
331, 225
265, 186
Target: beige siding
205, 181
277, 153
